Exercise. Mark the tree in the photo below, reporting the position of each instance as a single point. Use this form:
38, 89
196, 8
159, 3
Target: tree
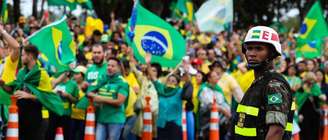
35, 8
16, 10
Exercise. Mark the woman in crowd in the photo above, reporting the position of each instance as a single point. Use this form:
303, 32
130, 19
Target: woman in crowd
170, 97
308, 101
211, 93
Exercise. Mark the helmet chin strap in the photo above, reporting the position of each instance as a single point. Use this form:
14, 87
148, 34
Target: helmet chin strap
259, 66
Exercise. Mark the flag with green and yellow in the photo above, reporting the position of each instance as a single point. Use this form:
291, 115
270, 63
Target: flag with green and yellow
148, 33
37, 82
187, 8
56, 44
313, 30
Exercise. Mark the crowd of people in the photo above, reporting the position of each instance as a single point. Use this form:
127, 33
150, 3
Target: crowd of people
107, 72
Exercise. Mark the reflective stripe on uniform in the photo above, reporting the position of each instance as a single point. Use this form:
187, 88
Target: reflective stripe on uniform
289, 127
250, 110
249, 132
293, 106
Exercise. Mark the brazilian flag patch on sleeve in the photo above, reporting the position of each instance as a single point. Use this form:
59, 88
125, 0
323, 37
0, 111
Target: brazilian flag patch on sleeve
275, 98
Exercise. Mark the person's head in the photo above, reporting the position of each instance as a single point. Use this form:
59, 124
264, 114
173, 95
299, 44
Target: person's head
113, 66
201, 54
310, 65
79, 73
156, 69
125, 67
96, 36
325, 67
291, 70
200, 77
29, 54
301, 66
98, 54
261, 46
124, 47
309, 78
173, 80
212, 77
320, 75
211, 55
218, 66
116, 37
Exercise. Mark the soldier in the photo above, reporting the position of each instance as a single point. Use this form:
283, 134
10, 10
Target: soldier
265, 111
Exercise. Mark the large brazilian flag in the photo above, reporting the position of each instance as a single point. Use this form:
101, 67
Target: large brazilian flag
55, 42
37, 81
148, 33
313, 30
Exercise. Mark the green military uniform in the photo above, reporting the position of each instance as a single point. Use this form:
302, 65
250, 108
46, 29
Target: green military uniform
268, 101
111, 87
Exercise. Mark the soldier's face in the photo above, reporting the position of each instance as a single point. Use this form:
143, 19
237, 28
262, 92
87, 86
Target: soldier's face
256, 52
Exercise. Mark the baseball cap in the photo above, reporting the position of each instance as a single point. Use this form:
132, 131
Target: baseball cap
80, 69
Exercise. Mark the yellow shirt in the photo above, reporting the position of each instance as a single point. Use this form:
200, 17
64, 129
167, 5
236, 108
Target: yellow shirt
195, 91
205, 67
244, 79
9, 70
132, 98
77, 113
326, 77
228, 85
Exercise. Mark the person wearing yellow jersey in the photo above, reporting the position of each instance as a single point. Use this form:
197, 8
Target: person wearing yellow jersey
9, 56
243, 76
326, 71
147, 89
202, 55
228, 84
131, 116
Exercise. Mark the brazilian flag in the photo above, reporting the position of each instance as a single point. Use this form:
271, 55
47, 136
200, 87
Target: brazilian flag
56, 44
37, 81
85, 4
148, 33
70, 3
187, 8
313, 30
4, 11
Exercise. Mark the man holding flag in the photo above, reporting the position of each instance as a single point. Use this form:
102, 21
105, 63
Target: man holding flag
33, 90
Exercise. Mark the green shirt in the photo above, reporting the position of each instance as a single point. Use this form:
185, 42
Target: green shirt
69, 87
106, 113
170, 104
94, 72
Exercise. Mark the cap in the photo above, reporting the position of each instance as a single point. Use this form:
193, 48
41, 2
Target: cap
197, 61
79, 69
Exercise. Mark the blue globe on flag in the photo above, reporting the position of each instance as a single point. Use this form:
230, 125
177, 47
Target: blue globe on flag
60, 51
303, 28
155, 43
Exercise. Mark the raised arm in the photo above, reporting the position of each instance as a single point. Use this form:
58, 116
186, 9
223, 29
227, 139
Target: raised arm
12, 43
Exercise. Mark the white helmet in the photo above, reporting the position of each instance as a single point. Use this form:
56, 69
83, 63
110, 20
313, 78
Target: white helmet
263, 34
